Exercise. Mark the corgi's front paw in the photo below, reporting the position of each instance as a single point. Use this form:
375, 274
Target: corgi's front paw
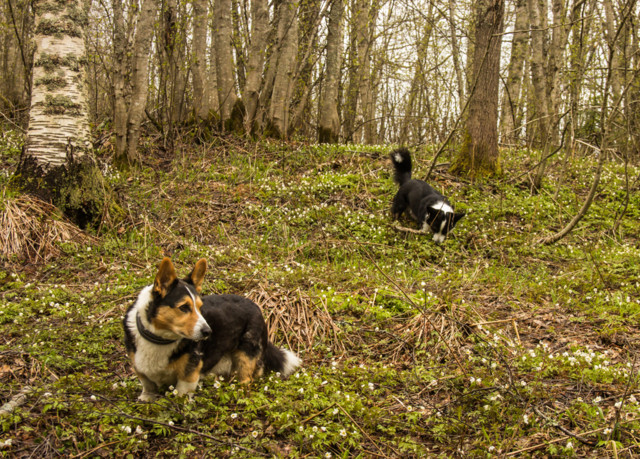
147, 397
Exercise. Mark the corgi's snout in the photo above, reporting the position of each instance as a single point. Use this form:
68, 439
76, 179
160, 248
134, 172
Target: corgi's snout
202, 330
205, 331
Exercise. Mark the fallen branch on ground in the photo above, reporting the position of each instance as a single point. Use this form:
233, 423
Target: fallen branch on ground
16, 401
408, 230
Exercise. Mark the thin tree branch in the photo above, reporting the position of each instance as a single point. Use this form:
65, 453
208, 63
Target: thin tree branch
605, 123
580, 438
26, 65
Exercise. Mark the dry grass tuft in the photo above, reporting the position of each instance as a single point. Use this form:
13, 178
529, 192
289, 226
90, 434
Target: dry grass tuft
31, 228
297, 319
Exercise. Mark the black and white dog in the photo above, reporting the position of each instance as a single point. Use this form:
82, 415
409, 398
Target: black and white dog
426, 206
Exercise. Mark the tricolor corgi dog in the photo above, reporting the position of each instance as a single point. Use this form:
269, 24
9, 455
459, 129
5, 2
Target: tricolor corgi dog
173, 335
425, 205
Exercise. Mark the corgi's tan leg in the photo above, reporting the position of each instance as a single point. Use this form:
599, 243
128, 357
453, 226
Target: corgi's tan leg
244, 367
188, 374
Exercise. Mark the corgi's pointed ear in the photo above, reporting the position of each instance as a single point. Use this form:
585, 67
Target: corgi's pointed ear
165, 277
197, 274
458, 216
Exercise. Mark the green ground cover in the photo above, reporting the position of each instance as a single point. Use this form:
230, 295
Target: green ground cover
488, 345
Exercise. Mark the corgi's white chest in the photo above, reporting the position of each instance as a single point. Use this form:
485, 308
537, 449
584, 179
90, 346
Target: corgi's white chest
153, 361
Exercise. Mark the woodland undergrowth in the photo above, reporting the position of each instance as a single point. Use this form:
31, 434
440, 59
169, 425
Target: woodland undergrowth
489, 345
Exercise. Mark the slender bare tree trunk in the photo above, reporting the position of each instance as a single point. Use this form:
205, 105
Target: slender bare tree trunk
211, 89
455, 53
199, 56
540, 107
310, 17
224, 59
16, 59
329, 128
283, 81
275, 38
179, 68
556, 58
255, 63
546, 77
368, 80
237, 35
511, 99
578, 56
358, 48
632, 101
139, 79
119, 72
610, 29
479, 153
172, 82
605, 122
619, 76
410, 130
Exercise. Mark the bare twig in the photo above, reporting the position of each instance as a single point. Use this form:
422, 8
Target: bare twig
554, 423
317, 414
185, 429
346, 413
624, 396
91, 451
550, 442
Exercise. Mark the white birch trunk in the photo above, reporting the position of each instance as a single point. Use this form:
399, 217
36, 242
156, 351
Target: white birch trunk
58, 119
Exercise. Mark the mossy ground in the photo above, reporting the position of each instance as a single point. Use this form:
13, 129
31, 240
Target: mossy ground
487, 345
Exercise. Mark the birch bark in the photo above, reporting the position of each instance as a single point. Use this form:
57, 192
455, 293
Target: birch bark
58, 120
55, 165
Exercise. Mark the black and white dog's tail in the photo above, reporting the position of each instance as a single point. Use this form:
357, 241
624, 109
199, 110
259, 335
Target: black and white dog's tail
281, 360
401, 159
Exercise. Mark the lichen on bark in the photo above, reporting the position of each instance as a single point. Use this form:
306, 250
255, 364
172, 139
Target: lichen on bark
77, 187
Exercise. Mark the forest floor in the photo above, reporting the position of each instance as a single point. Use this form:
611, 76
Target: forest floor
489, 345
